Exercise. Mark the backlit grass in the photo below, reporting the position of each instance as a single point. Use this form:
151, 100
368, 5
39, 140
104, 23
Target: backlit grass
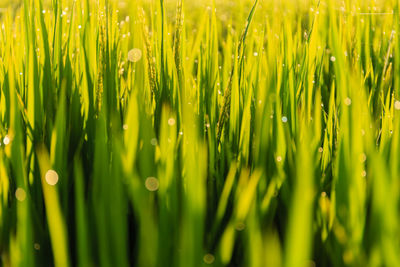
196, 133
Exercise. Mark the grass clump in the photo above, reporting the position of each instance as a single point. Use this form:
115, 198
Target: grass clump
181, 133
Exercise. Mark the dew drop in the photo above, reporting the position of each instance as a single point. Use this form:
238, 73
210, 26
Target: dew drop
153, 141
347, 101
171, 121
363, 157
208, 258
151, 184
134, 55
240, 226
6, 140
397, 104
51, 177
20, 194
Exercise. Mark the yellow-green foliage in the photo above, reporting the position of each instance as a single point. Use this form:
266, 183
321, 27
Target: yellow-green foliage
194, 133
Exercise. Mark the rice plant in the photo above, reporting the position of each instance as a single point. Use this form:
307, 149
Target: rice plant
199, 133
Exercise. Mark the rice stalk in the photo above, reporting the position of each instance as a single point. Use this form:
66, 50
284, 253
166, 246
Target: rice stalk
150, 59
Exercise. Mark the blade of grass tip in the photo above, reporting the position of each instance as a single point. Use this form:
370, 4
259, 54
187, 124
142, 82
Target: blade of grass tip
168, 190
4, 187
142, 191
33, 90
245, 200
57, 42
254, 240
236, 222
194, 158
272, 249
131, 133
59, 135
223, 201
245, 131
117, 208
99, 192
48, 94
59, 148
83, 246
299, 243
384, 214
5, 214
55, 218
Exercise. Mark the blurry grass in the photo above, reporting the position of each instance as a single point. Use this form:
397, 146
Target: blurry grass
181, 133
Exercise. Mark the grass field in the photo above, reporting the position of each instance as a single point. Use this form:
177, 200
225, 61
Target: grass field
199, 133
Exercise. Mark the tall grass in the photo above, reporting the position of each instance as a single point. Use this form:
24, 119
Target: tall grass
194, 133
